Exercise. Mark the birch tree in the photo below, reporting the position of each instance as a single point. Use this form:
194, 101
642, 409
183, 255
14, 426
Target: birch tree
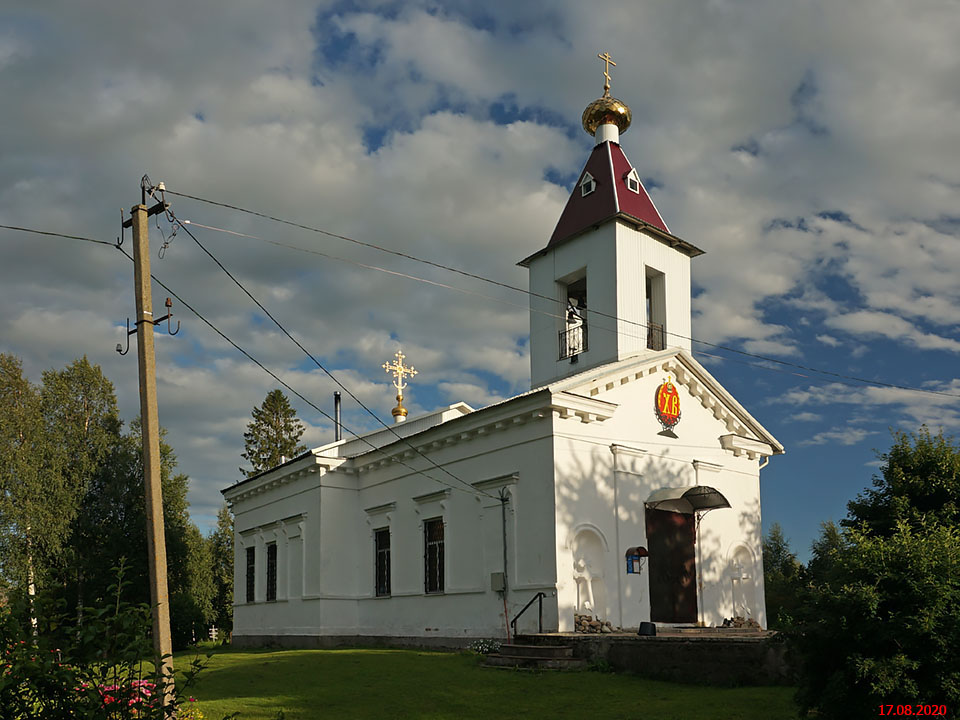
33, 525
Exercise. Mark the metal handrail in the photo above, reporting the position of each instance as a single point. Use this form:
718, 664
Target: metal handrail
656, 336
539, 596
573, 341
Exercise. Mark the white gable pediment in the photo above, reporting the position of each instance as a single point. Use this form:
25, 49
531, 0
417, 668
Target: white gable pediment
737, 431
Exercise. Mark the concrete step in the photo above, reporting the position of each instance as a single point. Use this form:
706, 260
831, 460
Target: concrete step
548, 651
711, 631
535, 663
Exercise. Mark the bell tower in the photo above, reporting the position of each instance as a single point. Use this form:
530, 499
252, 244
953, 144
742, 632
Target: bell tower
613, 281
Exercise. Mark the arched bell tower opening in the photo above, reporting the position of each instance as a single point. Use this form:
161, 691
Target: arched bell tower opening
613, 281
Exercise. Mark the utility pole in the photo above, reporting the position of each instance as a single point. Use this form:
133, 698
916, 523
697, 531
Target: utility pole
150, 435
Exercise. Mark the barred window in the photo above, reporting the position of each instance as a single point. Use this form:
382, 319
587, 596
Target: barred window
433, 555
381, 542
271, 571
251, 573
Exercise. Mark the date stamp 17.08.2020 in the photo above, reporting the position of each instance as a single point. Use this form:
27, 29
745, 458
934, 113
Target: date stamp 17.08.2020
919, 710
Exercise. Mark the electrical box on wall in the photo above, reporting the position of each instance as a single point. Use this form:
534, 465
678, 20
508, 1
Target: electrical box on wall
497, 582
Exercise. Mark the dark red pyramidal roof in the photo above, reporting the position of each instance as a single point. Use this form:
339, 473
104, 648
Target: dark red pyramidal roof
610, 170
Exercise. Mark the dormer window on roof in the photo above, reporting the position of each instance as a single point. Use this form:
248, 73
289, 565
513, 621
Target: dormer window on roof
587, 185
633, 181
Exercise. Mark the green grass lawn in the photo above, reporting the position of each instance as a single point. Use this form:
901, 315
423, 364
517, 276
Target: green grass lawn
418, 684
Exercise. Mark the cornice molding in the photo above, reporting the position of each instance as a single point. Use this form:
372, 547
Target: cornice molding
739, 446
439, 437
318, 467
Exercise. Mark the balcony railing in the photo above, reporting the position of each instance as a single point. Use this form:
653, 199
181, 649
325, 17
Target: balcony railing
656, 336
573, 342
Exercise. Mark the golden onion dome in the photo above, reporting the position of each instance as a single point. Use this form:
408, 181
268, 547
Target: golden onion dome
606, 109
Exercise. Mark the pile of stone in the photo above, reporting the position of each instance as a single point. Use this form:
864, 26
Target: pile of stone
739, 622
589, 624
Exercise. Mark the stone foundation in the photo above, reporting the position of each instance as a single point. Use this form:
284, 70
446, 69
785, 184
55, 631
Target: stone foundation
749, 660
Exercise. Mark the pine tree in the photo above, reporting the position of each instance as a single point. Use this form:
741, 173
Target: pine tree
274, 434
783, 577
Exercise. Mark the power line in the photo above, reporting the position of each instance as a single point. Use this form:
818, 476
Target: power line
314, 359
642, 326
464, 291
849, 380
355, 242
469, 488
251, 358
56, 234
366, 266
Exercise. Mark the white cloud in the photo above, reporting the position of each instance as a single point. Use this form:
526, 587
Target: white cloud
474, 394
845, 436
939, 408
235, 101
805, 417
890, 326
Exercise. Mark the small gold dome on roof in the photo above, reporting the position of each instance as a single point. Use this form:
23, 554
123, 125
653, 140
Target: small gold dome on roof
606, 110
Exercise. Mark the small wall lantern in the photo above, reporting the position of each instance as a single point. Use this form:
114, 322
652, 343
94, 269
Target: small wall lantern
635, 557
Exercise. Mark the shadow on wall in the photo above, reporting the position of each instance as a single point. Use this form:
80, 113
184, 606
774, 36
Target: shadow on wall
591, 575
731, 570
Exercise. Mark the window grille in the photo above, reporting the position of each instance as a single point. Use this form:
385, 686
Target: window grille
251, 573
271, 572
381, 541
433, 555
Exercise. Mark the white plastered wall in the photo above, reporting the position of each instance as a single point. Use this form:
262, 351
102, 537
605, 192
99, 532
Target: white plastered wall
615, 256
636, 251
595, 251
605, 491
335, 524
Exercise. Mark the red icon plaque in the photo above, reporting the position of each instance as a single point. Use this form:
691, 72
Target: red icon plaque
668, 405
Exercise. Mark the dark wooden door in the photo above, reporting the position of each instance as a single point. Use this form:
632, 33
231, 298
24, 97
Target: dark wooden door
673, 566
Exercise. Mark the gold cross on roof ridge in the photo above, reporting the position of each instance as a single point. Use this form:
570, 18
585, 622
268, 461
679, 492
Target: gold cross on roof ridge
399, 371
607, 62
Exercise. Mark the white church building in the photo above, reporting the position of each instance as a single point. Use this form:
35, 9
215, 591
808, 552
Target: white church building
624, 485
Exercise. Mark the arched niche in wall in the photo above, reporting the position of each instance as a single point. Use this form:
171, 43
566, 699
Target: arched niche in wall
589, 549
742, 573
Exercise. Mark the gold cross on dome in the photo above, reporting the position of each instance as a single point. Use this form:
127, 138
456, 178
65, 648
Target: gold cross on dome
607, 62
399, 371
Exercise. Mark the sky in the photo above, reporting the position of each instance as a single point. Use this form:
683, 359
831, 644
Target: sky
812, 149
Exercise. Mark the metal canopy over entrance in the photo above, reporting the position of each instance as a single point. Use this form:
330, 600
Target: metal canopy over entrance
698, 498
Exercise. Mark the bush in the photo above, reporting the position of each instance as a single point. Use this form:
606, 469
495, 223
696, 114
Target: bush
882, 626
101, 669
